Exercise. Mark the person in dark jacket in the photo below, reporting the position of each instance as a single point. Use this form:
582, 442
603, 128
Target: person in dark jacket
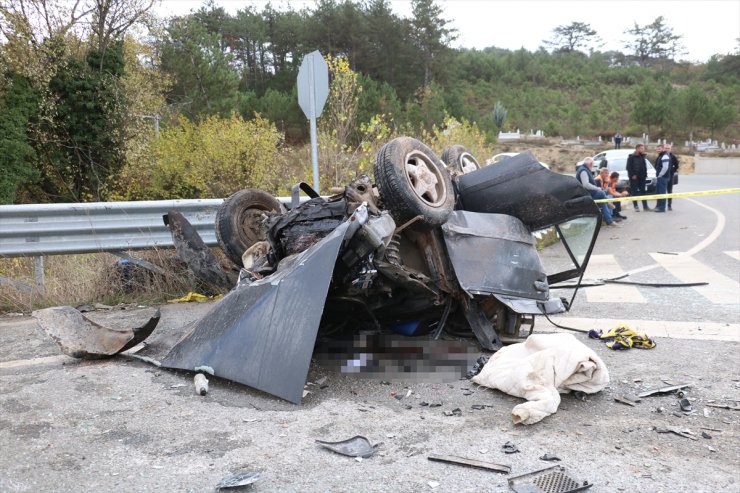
662, 175
674, 174
637, 171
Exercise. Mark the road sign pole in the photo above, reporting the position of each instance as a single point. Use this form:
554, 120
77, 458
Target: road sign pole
312, 118
313, 89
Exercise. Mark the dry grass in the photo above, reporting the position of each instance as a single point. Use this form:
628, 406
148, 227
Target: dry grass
93, 278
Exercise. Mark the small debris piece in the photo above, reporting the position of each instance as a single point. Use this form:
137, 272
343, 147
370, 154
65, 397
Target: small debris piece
706, 435
357, 446
433, 484
477, 367
710, 448
552, 458
725, 406
678, 432
455, 412
408, 394
663, 390
510, 448
305, 393
462, 461
178, 385
468, 392
201, 384
321, 381
423, 404
478, 407
435, 404
243, 478
630, 400
707, 412
711, 429
581, 396
685, 405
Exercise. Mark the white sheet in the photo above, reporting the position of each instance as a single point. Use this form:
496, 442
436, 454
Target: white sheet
539, 369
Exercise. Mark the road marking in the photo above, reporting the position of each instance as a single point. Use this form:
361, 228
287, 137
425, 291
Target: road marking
706, 331
604, 267
18, 363
718, 228
721, 289
716, 232
734, 254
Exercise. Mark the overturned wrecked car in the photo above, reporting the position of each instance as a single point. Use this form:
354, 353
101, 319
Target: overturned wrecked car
433, 248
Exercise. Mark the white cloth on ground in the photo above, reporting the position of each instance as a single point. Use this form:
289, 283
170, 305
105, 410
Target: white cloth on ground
541, 367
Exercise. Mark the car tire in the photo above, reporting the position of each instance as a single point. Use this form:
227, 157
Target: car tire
459, 159
238, 221
412, 182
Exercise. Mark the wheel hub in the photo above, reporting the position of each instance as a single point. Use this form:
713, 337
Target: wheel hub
423, 179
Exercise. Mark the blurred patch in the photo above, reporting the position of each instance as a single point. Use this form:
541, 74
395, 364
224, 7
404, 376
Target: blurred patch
394, 356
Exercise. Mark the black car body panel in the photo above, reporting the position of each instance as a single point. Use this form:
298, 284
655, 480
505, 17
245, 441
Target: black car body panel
494, 254
263, 334
522, 188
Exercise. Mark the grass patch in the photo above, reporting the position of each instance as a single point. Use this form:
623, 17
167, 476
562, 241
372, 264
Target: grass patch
94, 278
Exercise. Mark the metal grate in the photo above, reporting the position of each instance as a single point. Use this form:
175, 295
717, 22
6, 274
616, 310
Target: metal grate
550, 480
555, 482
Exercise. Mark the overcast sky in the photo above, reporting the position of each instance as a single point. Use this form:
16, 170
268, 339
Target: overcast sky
708, 27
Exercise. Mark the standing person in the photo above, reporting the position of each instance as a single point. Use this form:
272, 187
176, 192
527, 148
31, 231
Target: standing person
618, 141
674, 173
637, 171
585, 176
660, 151
663, 175
656, 161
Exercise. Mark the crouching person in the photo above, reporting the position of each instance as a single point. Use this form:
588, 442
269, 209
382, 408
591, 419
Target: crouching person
585, 176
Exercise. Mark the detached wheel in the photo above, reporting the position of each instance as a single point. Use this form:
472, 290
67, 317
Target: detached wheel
458, 158
239, 221
412, 181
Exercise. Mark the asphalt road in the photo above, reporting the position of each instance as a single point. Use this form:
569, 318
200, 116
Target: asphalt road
703, 231
125, 425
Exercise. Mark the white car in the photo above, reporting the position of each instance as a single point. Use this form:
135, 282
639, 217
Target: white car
506, 155
616, 160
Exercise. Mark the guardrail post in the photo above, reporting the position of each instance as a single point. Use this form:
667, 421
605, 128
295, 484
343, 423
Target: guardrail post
38, 267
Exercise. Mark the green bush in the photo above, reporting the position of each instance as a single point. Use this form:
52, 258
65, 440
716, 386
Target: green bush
210, 159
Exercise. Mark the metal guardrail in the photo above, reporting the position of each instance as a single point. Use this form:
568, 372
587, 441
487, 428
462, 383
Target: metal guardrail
52, 229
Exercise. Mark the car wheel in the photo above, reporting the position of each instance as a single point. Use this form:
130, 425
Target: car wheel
239, 220
459, 159
412, 182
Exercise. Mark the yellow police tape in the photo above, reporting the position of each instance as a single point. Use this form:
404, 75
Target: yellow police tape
669, 195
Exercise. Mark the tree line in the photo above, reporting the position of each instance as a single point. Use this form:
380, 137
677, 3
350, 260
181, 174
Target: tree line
81, 85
